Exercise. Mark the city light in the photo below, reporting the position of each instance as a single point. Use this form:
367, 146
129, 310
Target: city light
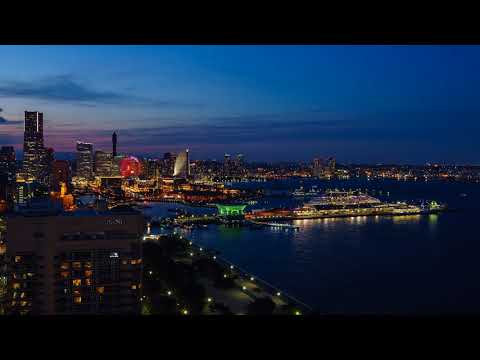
169, 293
278, 294
252, 278
244, 288
209, 299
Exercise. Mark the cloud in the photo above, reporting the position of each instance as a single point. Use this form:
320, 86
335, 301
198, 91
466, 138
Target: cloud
64, 88
4, 121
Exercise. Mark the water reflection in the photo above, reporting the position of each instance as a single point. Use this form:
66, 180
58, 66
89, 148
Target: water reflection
403, 219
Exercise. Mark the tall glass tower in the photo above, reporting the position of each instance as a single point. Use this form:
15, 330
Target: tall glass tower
84, 160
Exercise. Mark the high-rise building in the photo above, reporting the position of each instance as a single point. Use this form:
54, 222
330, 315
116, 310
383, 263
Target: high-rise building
114, 144
61, 174
33, 149
46, 166
317, 168
7, 177
84, 160
168, 164
103, 163
331, 163
182, 165
80, 262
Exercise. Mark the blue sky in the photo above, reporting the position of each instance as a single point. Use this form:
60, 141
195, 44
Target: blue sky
405, 104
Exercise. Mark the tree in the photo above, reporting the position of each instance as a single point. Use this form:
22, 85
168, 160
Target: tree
261, 306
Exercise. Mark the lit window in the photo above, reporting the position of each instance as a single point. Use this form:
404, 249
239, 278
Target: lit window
100, 289
23, 303
88, 282
77, 282
139, 286
77, 299
88, 273
18, 259
134, 287
77, 265
87, 265
139, 261
29, 274
65, 266
22, 295
16, 285
64, 274
76, 292
133, 262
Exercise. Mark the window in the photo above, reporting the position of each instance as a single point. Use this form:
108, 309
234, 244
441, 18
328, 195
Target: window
64, 274
88, 282
77, 282
88, 273
18, 259
16, 285
77, 299
77, 265
100, 289
134, 287
133, 262
65, 266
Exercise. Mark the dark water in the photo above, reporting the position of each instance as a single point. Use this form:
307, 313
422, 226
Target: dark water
401, 265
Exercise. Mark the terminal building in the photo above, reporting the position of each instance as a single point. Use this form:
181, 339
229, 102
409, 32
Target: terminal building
81, 262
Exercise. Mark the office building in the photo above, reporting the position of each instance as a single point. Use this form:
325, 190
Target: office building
33, 150
61, 174
7, 177
84, 160
114, 144
317, 168
103, 163
79, 262
182, 165
168, 164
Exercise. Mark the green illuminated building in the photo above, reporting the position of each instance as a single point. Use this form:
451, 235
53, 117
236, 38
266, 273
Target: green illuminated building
231, 210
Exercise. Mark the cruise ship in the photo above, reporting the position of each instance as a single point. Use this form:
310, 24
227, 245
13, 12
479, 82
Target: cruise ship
346, 204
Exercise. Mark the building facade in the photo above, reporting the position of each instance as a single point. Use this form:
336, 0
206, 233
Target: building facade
84, 160
33, 150
103, 163
80, 262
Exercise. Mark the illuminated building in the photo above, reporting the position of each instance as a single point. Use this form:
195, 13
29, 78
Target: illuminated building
231, 209
84, 160
103, 163
33, 150
130, 167
61, 174
116, 164
23, 191
317, 169
7, 176
182, 165
80, 262
168, 164
114, 144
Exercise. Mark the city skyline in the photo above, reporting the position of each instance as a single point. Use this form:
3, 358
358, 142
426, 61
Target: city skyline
370, 104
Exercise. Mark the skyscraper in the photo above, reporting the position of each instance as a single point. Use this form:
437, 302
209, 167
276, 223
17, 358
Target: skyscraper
103, 163
182, 166
84, 160
7, 176
114, 144
33, 150
317, 168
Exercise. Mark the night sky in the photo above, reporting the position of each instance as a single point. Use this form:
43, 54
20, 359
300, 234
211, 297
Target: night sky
370, 104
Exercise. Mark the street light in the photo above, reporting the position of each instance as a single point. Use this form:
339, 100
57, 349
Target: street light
185, 312
191, 254
169, 293
252, 278
214, 257
244, 288
209, 299
231, 266
150, 272
278, 293
297, 313
225, 275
